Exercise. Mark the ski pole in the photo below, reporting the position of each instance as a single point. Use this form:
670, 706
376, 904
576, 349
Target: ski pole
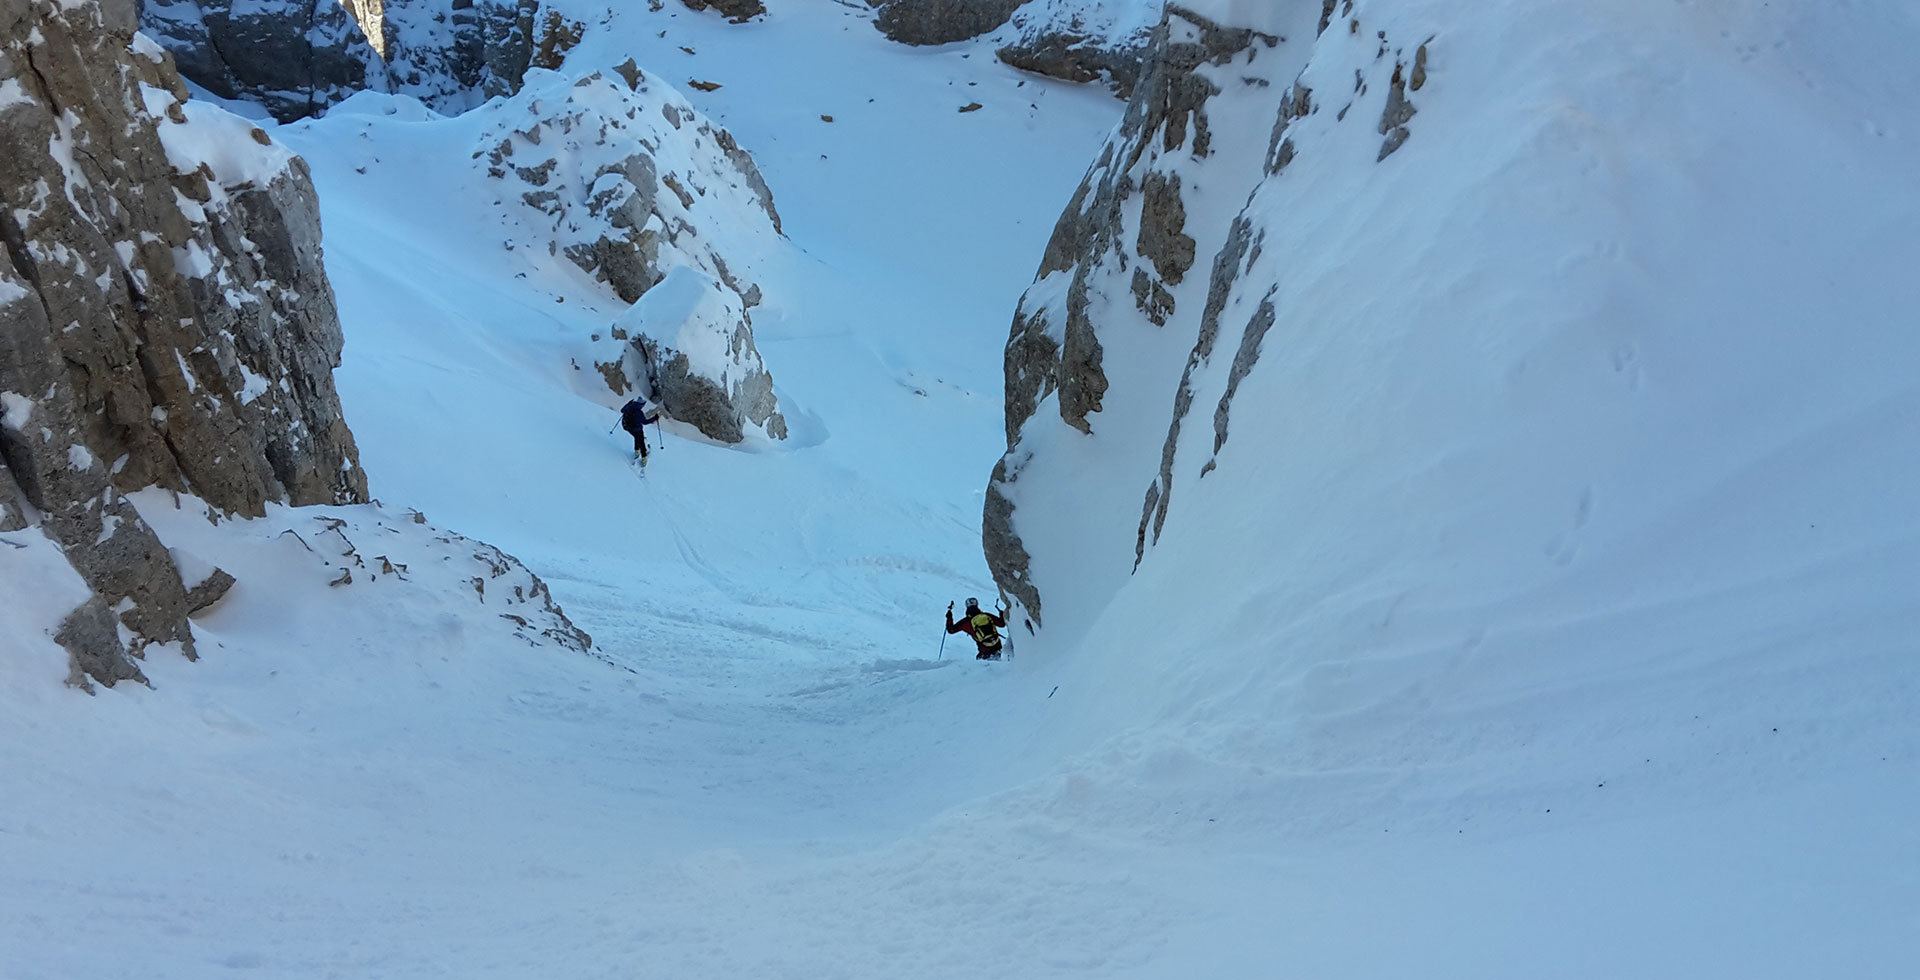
943, 635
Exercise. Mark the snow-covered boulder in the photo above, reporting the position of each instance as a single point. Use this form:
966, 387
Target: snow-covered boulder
691, 342
165, 319
736, 11
297, 57
1081, 40
1074, 40
922, 22
389, 575
373, 561
620, 175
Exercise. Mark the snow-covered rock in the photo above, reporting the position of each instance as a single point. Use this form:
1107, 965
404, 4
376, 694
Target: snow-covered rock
620, 175
297, 57
373, 556
922, 22
691, 342
1081, 40
736, 11
1158, 202
1074, 40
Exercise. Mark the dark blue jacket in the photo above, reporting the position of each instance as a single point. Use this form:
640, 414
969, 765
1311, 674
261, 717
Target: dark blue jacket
633, 415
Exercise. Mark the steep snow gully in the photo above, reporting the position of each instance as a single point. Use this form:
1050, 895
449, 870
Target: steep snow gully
1552, 611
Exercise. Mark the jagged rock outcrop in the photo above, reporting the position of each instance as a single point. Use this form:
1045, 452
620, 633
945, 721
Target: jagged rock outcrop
617, 173
1165, 198
296, 57
1092, 263
164, 316
735, 11
1080, 42
1074, 40
942, 21
691, 350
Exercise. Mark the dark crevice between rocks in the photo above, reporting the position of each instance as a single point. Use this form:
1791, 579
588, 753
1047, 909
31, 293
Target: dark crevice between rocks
1227, 266
1243, 361
46, 87
311, 72
1280, 148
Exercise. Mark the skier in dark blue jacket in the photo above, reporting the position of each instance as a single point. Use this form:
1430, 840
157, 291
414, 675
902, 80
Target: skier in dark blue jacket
634, 418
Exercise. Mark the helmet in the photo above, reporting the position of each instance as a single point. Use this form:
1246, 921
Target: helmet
973, 605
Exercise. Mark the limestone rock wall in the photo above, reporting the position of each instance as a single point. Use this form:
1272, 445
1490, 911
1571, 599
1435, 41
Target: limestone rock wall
1074, 40
1080, 41
296, 57
164, 316
923, 22
1151, 258
736, 11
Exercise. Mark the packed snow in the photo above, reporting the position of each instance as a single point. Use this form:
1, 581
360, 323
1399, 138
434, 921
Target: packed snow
1484, 652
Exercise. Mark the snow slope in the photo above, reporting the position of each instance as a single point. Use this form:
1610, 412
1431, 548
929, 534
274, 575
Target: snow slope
1560, 557
1491, 653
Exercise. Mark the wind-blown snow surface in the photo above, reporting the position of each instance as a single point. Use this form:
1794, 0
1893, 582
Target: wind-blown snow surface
1557, 582
1350, 719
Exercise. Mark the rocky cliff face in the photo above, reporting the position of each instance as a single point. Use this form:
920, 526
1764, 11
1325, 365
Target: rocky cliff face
942, 21
166, 321
1152, 255
164, 317
1075, 40
296, 57
736, 11
617, 173
1081, 42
